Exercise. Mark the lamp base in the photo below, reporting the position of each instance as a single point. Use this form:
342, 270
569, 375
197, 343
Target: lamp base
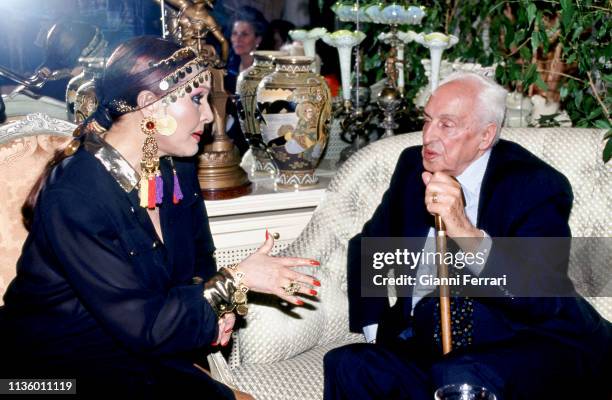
221, 176
226, 194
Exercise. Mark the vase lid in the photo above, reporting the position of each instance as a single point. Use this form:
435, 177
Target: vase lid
294, 60
268, 55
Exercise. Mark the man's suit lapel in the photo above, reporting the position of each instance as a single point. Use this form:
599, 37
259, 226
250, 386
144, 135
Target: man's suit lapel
417, 220
493, 174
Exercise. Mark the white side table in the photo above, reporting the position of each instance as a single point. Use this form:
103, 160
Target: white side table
238, 225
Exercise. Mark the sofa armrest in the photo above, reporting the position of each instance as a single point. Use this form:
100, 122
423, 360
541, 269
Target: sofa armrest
220, 370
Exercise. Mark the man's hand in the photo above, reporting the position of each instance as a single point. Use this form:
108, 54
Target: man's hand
443, 197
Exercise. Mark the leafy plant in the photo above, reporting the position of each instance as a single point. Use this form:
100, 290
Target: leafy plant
520, 35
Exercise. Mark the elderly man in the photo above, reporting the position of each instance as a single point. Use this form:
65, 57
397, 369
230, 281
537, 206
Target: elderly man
483, 188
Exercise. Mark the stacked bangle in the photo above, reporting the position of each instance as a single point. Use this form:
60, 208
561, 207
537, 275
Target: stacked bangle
240, 295
226, 293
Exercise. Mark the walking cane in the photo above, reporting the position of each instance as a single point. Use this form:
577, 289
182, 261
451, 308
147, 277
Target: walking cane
445, 320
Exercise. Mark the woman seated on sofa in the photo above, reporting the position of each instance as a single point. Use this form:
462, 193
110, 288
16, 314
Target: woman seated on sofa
117, 284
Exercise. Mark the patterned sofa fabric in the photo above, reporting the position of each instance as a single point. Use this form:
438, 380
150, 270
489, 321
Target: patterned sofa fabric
26, 145
278, 345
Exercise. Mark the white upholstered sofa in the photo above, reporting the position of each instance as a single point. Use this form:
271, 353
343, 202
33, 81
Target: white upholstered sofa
279, 353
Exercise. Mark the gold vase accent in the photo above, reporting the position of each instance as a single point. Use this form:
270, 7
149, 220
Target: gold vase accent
246, 89
295, 104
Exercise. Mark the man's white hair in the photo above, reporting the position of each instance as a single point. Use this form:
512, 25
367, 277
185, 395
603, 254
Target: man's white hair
491, 99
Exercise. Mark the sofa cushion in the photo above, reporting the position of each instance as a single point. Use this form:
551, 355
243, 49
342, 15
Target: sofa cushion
301, 377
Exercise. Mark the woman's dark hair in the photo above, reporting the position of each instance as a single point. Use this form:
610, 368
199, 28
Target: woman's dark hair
254, 17
126, 74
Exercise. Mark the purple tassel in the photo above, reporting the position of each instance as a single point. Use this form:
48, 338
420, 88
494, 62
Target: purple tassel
159, 189
177, 195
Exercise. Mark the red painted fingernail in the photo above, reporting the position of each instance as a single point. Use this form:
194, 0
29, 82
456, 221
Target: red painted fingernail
314, 262
313, 292
316, 283
267, 234
300, 303
213, 343
228, 331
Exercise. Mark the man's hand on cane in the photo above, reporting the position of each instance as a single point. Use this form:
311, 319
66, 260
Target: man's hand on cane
443, 196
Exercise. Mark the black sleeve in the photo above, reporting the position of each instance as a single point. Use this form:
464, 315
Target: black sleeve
364, 311
205, 262
147, 318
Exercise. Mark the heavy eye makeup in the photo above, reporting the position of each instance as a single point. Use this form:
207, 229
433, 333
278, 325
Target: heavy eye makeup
197, 97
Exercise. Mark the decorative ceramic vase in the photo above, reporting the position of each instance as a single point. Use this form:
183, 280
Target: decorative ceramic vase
246, 88
295, 104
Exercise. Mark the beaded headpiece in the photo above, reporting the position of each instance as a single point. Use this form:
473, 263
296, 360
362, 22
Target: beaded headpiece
171, 83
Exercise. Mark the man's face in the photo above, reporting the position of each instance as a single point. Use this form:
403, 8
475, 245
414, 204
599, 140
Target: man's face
452, 134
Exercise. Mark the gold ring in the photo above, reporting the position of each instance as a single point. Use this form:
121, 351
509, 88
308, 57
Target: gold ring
292, 289
434, 198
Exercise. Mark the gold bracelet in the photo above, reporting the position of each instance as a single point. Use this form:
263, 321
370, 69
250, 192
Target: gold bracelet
240, 295
225, 292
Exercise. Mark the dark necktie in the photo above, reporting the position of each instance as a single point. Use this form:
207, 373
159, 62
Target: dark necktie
462, 309
462, 323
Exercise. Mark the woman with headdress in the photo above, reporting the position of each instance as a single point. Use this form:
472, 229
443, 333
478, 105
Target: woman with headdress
117, 284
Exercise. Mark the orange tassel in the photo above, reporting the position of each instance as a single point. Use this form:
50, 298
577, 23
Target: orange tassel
151, 193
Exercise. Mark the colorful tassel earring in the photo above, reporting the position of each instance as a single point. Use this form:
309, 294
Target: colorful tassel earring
177, 194
151, 186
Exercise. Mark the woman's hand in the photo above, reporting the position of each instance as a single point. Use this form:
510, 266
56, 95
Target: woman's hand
272, 275
226, 326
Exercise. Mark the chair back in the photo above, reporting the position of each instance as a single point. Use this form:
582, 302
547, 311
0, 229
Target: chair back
26, 145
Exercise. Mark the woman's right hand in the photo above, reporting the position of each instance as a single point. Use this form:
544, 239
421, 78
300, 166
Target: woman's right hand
266, 274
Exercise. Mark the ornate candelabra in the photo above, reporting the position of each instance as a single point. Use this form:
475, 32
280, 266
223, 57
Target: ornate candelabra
353, 110
344, 41
398, 40
436, 42
308, 39
390, 99
356, 116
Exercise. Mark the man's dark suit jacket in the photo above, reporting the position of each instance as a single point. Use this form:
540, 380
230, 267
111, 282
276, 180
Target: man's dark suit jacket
521, 196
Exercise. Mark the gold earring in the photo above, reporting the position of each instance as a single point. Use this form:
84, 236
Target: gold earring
151, 185
166, 124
